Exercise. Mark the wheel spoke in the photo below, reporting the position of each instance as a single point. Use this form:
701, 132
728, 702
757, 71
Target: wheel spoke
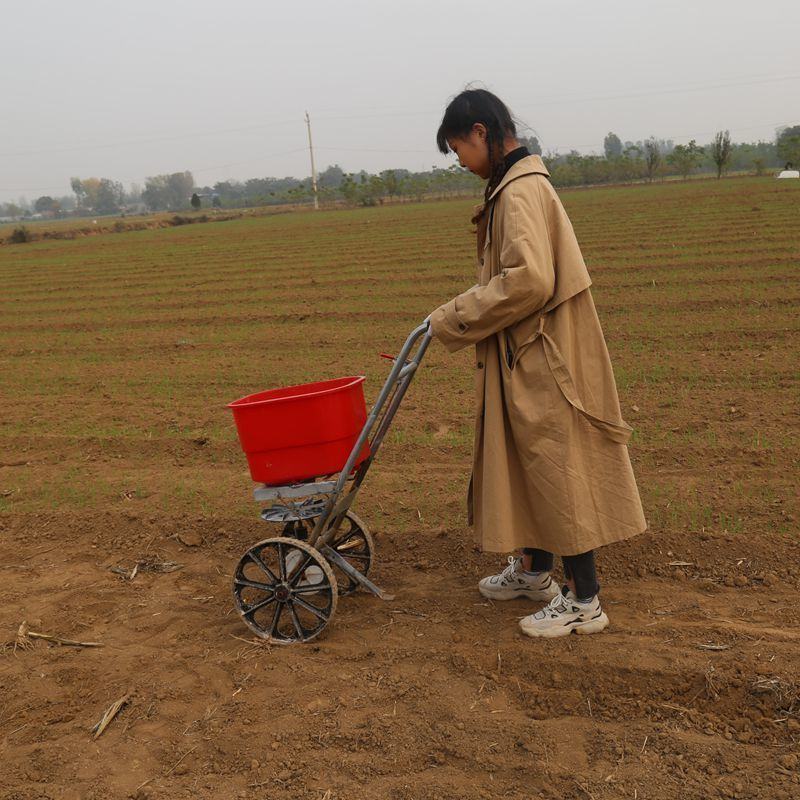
282, 561
317, 612
275, 619
264, 587
258, 561
312, 588
299, 570
355, 557
301, 632
250, 610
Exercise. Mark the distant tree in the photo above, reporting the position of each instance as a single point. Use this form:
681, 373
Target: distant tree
91, 187
215, 201
98, 194
419, 184
77, 188
686, 158
758, 165
195, 201
181, 185
549, 159
390, 182
349, 188
788, 145
299, 194
652, 158
10, 210
66, 202
376, 189
612, 146
155, 194
109, 196
46, 204
170, 192
331, 177
632, 150
721, 151
532, 143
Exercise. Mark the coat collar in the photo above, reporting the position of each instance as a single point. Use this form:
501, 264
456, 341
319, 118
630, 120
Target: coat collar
530, 165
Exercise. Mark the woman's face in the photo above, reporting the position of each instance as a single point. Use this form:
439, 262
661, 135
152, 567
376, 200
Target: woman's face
472, 150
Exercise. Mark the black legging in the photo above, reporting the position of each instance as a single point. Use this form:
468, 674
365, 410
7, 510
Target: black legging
580, 568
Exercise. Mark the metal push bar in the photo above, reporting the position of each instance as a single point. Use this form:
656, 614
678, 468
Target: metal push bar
379, 420
332, 501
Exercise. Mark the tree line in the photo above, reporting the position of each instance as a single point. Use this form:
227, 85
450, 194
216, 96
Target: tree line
621, 162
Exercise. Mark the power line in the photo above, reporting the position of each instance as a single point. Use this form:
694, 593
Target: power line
561, 100
149, 140
731, 82
653, 92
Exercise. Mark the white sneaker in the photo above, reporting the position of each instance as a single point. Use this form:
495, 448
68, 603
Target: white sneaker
513, 582
563, 615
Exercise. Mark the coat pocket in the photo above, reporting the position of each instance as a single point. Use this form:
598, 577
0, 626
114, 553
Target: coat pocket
532, 397
523, 335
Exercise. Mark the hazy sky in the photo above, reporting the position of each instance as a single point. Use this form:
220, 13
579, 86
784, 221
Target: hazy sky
123, 91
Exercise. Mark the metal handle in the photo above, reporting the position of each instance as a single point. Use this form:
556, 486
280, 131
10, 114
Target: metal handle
399, 378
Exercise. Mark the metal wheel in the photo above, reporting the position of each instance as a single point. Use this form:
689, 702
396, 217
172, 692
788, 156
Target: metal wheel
355, 544
285, 590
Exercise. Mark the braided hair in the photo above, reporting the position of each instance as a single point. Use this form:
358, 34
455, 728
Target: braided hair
462, 112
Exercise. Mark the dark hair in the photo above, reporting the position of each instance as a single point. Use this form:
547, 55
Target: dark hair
479, 105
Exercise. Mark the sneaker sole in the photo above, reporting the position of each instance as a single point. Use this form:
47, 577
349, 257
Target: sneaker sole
538, 596
593, 626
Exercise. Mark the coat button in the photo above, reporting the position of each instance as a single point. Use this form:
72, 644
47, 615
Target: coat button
481, 260
480, 365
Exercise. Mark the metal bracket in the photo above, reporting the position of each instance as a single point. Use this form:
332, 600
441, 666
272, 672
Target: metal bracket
294, 490
346, 567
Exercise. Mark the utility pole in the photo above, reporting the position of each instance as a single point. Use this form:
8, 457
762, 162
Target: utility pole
313, 168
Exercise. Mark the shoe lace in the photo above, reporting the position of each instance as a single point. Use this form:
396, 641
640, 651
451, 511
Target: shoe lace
509, 571
557, 604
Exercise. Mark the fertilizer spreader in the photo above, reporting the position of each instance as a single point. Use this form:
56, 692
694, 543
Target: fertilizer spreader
310, 447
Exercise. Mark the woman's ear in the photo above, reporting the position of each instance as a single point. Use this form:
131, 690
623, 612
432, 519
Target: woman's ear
479, 129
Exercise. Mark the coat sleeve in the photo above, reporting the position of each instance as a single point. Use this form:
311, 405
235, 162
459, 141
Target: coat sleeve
524, 284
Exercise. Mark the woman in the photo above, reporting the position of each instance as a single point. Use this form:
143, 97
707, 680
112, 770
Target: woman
551, 472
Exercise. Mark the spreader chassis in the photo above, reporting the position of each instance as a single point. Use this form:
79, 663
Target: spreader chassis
286, 588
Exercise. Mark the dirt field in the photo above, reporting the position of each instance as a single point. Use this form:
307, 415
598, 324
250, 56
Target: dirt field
118, 353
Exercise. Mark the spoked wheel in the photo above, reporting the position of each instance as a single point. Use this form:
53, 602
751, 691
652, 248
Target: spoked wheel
285, 590
355, 544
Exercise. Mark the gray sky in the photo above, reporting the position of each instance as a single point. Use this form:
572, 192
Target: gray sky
220, 87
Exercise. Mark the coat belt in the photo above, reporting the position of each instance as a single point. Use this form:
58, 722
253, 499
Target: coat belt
616, 431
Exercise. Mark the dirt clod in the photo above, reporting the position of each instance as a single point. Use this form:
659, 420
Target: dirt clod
190, 538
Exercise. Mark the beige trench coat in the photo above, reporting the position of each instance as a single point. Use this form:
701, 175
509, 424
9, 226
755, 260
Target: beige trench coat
550, 466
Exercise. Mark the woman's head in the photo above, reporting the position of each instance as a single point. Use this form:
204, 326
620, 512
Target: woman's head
477, 127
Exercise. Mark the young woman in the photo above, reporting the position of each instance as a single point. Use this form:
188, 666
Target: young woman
551, 472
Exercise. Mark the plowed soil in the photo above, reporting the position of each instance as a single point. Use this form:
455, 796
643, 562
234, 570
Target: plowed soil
118, 353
